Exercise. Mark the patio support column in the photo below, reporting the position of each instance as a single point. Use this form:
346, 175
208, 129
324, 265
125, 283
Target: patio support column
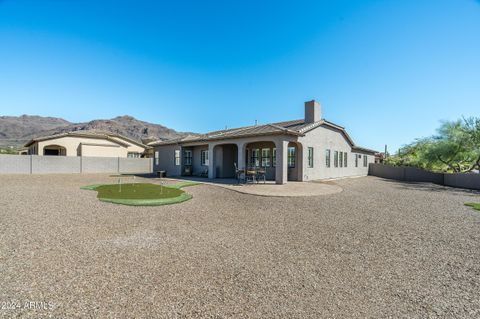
241, 156
211, 161
181, 161
281, 170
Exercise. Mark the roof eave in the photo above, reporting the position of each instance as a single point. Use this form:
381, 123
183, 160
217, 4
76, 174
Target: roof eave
219, 138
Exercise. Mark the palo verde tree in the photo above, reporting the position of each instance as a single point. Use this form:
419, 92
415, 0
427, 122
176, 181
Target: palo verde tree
456, 148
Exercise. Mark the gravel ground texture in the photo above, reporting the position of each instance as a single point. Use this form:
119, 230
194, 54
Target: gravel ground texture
378, 249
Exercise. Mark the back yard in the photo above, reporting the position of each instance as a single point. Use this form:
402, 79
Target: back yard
377, 249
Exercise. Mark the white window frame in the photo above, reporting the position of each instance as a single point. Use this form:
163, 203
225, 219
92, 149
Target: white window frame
133, 155
204, 158
328, 154
274, 157
187, 159
265, 157
157, 157
310, 157
177, 158
255, 157
291, 156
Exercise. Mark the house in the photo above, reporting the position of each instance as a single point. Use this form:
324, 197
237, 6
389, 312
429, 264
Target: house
307, 149
86, 143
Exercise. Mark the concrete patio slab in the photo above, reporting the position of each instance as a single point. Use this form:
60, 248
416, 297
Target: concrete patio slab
270, 189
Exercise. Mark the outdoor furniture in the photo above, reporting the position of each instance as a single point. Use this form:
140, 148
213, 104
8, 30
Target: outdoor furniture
161, 174
250, 175
187, 171
239, 173
261, 175
204, 173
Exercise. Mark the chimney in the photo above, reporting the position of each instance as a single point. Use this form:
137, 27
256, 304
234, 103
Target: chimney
313, 112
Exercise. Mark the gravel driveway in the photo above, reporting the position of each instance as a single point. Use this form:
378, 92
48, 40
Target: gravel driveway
378, 249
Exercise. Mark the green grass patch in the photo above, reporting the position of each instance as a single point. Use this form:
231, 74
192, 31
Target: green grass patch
183, 184
473, 205
141, 194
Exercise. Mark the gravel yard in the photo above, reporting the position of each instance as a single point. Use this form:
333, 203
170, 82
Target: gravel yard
377, 249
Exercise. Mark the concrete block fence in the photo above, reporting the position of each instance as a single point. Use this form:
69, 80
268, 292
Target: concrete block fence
34, 164
411, 174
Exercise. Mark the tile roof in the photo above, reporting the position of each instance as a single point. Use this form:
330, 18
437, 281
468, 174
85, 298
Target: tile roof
89, 134
294, 127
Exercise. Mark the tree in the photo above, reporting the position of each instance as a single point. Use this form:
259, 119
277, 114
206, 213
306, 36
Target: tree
456, 148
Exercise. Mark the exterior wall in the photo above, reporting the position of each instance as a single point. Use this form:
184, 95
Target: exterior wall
224, 158
85, 146
166, 159
33, 164
197, 159
72, 144
99, 165
133, 148
15, 164
134, 165
412, 174
55, 164
470, 181
104, 150
321, 139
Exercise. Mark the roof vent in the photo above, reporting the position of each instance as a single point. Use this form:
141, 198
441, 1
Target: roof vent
313, 112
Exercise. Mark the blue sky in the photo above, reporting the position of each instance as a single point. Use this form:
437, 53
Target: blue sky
389, 71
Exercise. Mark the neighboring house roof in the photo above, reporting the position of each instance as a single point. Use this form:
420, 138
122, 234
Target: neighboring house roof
295, 128
89, 134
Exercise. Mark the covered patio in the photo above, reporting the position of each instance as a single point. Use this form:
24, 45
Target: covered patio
264, 159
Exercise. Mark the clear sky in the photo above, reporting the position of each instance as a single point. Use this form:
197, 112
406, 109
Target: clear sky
389, 71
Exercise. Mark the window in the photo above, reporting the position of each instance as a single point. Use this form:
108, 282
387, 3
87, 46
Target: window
187, 157
274, 157
265, 157
157, 158
254, 160
341, 159
310, 157
365, 160
356, 159
327, 158
345, 159
177, 157
204, 157
291, 157
133, 154
335, 159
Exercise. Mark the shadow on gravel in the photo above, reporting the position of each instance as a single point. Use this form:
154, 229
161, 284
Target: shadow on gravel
430, 187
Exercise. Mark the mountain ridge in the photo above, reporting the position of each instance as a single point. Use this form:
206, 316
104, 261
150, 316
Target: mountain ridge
15, 131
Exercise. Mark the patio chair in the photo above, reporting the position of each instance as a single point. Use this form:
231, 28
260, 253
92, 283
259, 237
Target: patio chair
251, 175
261, 175
239, 173
204, 173
187, 171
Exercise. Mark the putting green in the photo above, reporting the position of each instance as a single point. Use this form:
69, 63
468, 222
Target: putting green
142, 194
474, 205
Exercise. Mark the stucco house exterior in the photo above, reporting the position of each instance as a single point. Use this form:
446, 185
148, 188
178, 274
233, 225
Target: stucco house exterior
299, 150
86, 143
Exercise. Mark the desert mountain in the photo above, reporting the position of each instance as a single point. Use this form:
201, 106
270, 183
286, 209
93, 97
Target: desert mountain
17, 130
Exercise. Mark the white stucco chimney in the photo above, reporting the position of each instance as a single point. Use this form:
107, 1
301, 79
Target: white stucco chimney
313, 111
